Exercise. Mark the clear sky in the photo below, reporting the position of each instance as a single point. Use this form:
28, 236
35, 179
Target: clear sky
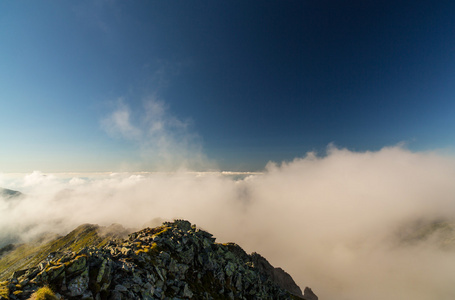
112, 85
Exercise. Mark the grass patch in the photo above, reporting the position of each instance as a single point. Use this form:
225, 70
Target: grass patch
4, 290
152, 250
44, 293
159, 230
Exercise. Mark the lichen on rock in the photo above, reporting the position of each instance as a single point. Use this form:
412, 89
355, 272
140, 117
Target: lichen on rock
174, 261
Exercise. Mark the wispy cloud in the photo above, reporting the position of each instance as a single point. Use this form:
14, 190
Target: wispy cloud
99, 14
163, 140
118, 124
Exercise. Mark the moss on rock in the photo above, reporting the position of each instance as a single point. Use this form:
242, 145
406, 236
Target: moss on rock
44, 293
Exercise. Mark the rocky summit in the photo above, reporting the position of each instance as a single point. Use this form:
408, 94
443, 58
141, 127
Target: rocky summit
176, 260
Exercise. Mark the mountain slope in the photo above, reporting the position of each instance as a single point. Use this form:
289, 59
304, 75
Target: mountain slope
172, 261
440, 233
25, 256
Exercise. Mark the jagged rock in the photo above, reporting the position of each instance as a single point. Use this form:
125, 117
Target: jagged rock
79, 285
278, 275
77, 264
172, 261
55, 272
309, 295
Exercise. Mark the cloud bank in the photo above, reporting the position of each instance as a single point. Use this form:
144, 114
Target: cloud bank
333, 222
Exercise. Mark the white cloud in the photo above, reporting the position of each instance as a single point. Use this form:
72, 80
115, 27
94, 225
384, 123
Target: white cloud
76, 181
118, 124
163, 140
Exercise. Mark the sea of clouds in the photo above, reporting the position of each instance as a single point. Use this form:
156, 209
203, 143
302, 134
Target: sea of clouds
333, 221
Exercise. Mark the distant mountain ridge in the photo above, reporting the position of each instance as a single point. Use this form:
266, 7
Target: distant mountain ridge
8, 194
176, 260
439, 232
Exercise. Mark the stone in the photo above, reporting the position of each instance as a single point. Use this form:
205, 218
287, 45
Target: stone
187, 256
172, 266
181, 269
101, 271
77, 264
238, 282
158, 271
55, 272
79, 285
187, 293
158, 292
24, 282
229, 269
120, 288
87, 296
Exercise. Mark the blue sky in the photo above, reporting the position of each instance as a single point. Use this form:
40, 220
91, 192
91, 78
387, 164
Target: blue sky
230, 84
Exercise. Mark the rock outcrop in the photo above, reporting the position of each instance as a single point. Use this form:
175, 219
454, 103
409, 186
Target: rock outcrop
309, 295
174, 261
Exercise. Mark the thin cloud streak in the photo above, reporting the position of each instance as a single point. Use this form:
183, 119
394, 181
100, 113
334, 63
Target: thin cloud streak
163, 141
118, 124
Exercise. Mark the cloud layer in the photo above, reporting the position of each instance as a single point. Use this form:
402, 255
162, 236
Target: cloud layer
332, 222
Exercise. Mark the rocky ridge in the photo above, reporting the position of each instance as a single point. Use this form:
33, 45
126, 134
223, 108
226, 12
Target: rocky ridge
174, 261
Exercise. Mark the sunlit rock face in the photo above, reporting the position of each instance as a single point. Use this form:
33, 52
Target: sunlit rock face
176, 260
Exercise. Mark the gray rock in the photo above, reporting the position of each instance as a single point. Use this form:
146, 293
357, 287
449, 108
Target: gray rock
229, 269
116, 296
121, 288
187, 293
309, 295
79, 285
77, 265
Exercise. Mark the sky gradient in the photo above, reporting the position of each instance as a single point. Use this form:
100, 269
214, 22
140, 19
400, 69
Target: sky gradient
112, 85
